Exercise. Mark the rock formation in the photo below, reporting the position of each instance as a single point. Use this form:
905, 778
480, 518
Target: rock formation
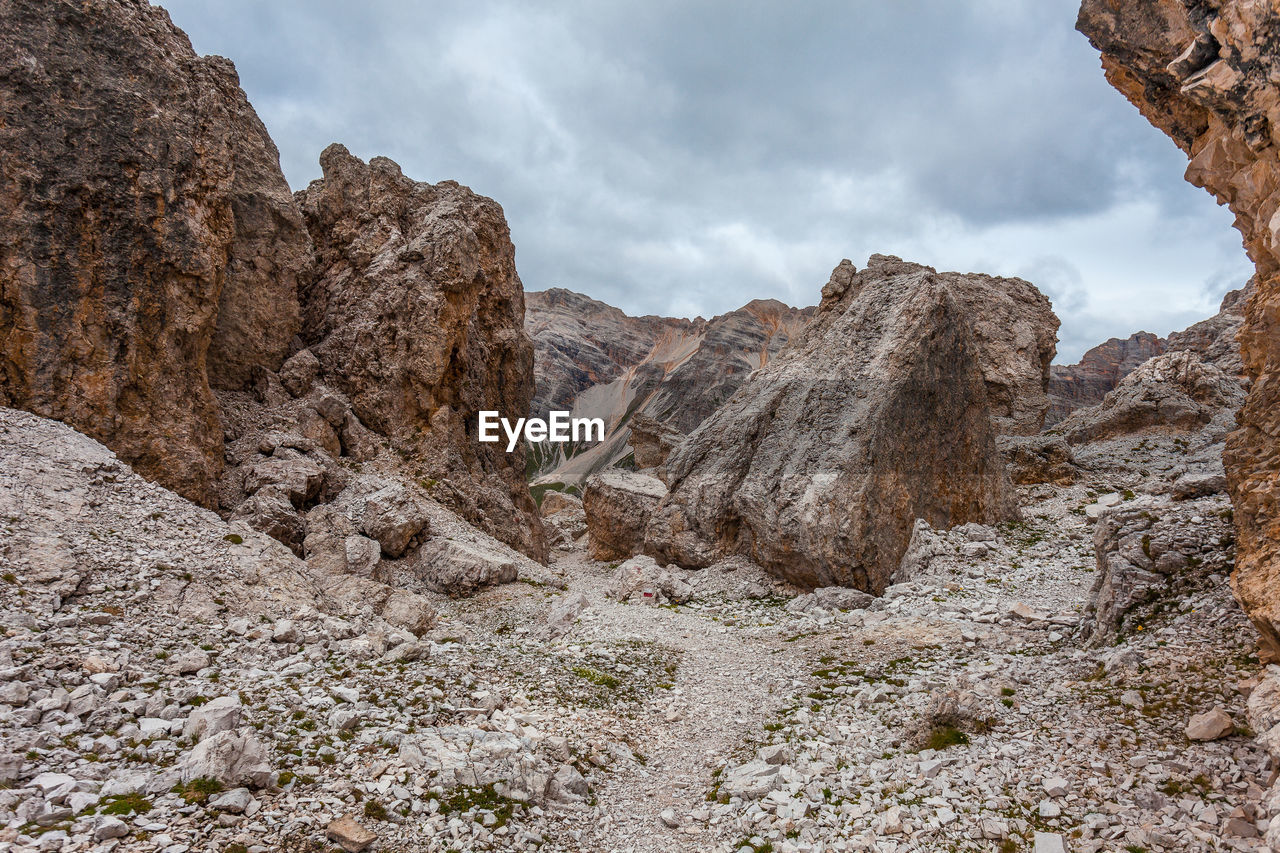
1075, 386
581, 342
1214, 339
1147, 553
82, 511
416, 315
1204, 74
652, 441
151, 245
595, 360
156, 266
618, 505
1038, 459
879, 414
1175, 390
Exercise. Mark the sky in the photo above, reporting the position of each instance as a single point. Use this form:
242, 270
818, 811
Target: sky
683, 158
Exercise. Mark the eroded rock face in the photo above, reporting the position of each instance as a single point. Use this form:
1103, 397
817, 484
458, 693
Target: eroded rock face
1214, 339
1175, 390
416, 316
877, 415
1204, 74
152, 248
1075, 386
618, 505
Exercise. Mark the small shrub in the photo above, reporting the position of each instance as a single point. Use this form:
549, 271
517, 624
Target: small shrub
200, 790
946, 736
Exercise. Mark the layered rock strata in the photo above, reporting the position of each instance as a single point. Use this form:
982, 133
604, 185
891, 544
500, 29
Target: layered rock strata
1075, 386
665, 374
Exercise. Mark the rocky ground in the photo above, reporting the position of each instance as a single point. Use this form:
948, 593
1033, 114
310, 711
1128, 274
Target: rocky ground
965, 710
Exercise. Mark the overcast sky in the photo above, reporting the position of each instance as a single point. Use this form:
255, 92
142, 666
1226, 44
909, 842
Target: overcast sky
682, 158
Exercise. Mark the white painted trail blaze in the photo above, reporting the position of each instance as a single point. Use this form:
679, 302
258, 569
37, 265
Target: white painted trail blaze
559, 428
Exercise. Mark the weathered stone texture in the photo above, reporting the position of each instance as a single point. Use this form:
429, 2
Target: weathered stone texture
618, 505
1205, 75
1075, 386
416, 315
150, 246
1176, 390
877, 415
599, 362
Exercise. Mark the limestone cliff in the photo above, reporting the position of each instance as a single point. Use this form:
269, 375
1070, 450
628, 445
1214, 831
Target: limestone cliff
416, 316
149, 246
878, 414
1204, 73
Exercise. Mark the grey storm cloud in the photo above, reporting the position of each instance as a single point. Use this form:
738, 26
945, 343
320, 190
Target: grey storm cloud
685, 157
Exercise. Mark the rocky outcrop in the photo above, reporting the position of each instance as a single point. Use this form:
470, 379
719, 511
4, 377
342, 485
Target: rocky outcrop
151, 245
596, 361
1175, 391
651, 441
879, 414
1214, 339
618, 505
1148, 553
564, 519
388, 529
1076, 386
416, 316
640, 579
1204, 74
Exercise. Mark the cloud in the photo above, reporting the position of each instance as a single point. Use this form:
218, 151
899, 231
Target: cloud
673, 157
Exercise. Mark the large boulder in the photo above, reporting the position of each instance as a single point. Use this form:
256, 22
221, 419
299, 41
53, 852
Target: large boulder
152, 246
214, 717
651, 441
1204, 74
1176, 391
393, 516
618, 504
463, 568
1039, 459
417, 316
642, 579
879, 414
234, 758
270, 511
